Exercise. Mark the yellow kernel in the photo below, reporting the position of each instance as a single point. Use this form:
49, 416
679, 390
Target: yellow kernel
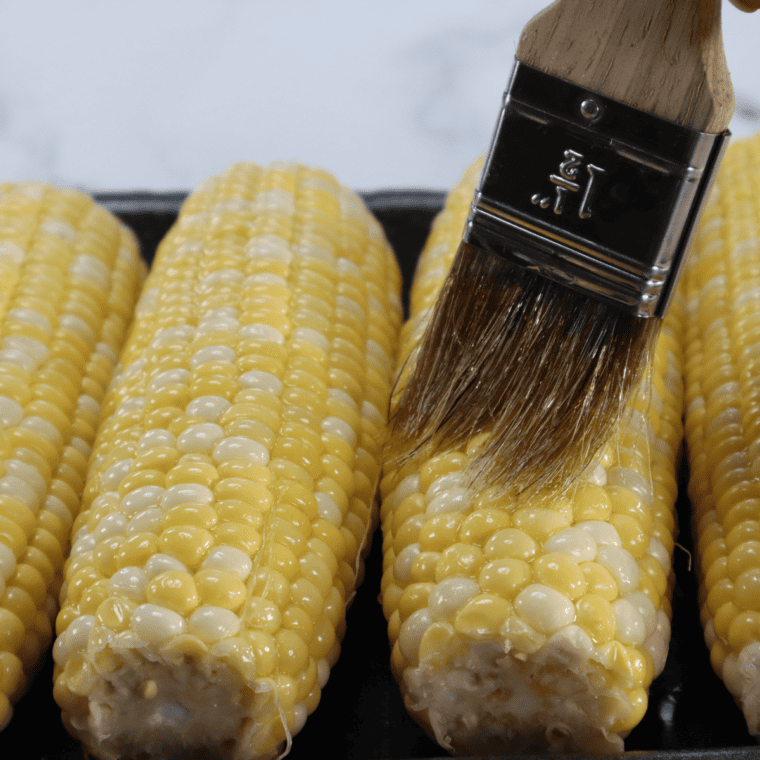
220, 588
238, 535
295, 618
480, 525
639, 701
440, 465
188, 544
195, 515
723, 618
460, 560
505, 577
414, 597
744, 629
93, 597
599, 580
263, 614
561, 573
423, 568
510, 543
719, 594
174, 589
240, 489
22, 605
437, 532
747, 589
744, 556
591, 502
264, 648
540, 523
595, 615
115, 613
633, 537
482, 616
293, 654
189, 471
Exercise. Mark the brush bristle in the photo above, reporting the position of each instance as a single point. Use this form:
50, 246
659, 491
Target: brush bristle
544, 371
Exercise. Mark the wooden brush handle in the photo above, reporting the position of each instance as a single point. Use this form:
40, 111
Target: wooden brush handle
746, 5
662, 56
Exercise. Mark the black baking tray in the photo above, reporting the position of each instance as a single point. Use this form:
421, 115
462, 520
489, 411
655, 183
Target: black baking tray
361, 716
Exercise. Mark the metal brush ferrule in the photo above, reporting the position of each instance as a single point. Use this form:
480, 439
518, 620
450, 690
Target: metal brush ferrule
592, 193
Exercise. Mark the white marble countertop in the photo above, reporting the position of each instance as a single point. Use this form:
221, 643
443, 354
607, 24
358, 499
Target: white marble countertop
159, 94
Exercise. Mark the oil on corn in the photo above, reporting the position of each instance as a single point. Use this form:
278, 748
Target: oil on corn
535, 622
231, 490
70, 274
722, 425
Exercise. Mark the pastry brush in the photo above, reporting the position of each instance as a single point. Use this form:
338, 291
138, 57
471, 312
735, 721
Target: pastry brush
610, 132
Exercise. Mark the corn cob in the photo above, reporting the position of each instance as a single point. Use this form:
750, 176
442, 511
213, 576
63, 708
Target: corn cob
69, 278
537, 621
231, 489
722, 423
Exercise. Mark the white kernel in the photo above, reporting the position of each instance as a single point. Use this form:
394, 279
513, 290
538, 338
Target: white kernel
200, 438
411, 632
186, 493
262, 332
78, 632
154, 624
300, 714
14, 356
56, 507
43, 428
211, 624
270, 246
444, 483
88, 267
323, 672
645, 606
621, 565
89, 406
168, 377
343, 303
732, 676
80, 445
449, 595
111, 478
140, 499
32, 317
339, 427
212, 324
261, 381
632, 480
574, 542
239, 447
453, 500
603, 533
212, 354
408, 486
105, 350
329, 509
402, 566
12, 485
7, 562
630, 627
155, 438
110, 525
130, 582
35, 349
181, 333
544, 608
231, 559
82, 544
77, 325
208, 408
264, 280
146, 521
12, 251
219, 277
573, 639
372, 413
11, 412
308, 335
160, 563
343, 397
58, 228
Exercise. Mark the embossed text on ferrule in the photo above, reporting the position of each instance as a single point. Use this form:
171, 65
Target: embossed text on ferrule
566, 181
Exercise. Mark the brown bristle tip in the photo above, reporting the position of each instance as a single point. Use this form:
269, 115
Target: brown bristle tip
542, 372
